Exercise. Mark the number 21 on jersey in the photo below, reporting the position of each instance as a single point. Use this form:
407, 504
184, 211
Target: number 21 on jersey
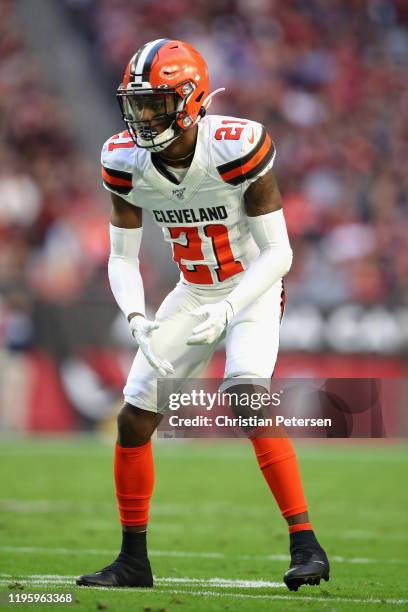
187, 244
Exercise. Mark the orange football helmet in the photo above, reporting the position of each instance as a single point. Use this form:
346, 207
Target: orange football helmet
165, 91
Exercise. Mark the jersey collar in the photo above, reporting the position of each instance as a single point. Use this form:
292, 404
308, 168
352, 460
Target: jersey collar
162, 180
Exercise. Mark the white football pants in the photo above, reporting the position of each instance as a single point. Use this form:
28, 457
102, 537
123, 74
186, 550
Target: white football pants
252, 341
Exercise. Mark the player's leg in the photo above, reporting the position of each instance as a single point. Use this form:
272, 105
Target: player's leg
252, 347
139, 417
134, 479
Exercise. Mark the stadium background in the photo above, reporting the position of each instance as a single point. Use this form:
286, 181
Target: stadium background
329, 82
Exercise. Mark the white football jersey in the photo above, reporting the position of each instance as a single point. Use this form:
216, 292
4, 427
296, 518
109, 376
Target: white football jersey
203, 216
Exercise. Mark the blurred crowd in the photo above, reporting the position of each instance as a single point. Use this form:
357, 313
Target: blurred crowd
328, 79
52, 225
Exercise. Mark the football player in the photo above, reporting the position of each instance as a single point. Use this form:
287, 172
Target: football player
207, 181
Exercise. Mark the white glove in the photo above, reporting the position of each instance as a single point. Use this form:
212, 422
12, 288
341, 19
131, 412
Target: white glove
142, 330
217, 317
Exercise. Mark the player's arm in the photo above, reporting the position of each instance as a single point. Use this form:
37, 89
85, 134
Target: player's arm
263, 206
124, 273
125, 278
267, 225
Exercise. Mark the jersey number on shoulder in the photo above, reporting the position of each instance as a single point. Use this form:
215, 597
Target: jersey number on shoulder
128, 144
230, 131
192, 251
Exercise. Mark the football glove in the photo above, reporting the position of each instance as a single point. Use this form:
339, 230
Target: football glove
216, 318
142, 330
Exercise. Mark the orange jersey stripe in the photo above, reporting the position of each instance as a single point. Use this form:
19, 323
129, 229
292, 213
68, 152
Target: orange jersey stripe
254, 161
114, 180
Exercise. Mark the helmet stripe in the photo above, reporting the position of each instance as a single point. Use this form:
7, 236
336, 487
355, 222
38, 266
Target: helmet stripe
140, 58
157, 44
136, 59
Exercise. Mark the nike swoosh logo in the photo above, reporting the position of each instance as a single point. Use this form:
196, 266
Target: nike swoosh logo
251, 138
321, 562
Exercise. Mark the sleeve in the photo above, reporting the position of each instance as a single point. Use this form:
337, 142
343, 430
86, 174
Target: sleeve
256, 158
123, 269
274, 260
117, 165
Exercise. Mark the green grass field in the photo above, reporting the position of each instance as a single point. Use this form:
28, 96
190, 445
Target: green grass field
217, 541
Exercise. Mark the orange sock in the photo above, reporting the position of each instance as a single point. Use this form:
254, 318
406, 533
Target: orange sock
300, 527
277, 460
134, 480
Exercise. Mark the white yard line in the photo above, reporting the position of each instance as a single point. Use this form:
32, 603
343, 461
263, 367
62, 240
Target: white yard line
62, 581
222, 582
51, 579
184, 554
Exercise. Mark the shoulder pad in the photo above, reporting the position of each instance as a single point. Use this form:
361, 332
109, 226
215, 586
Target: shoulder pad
118, 162
243, 149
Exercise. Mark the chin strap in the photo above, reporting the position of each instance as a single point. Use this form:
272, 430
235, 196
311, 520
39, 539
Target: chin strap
206, 104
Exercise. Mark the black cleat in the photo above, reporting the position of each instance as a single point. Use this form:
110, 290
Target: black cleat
309, 564
125, 571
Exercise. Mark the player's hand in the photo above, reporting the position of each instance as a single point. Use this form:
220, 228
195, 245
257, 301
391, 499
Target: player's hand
216, 318
142, 330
